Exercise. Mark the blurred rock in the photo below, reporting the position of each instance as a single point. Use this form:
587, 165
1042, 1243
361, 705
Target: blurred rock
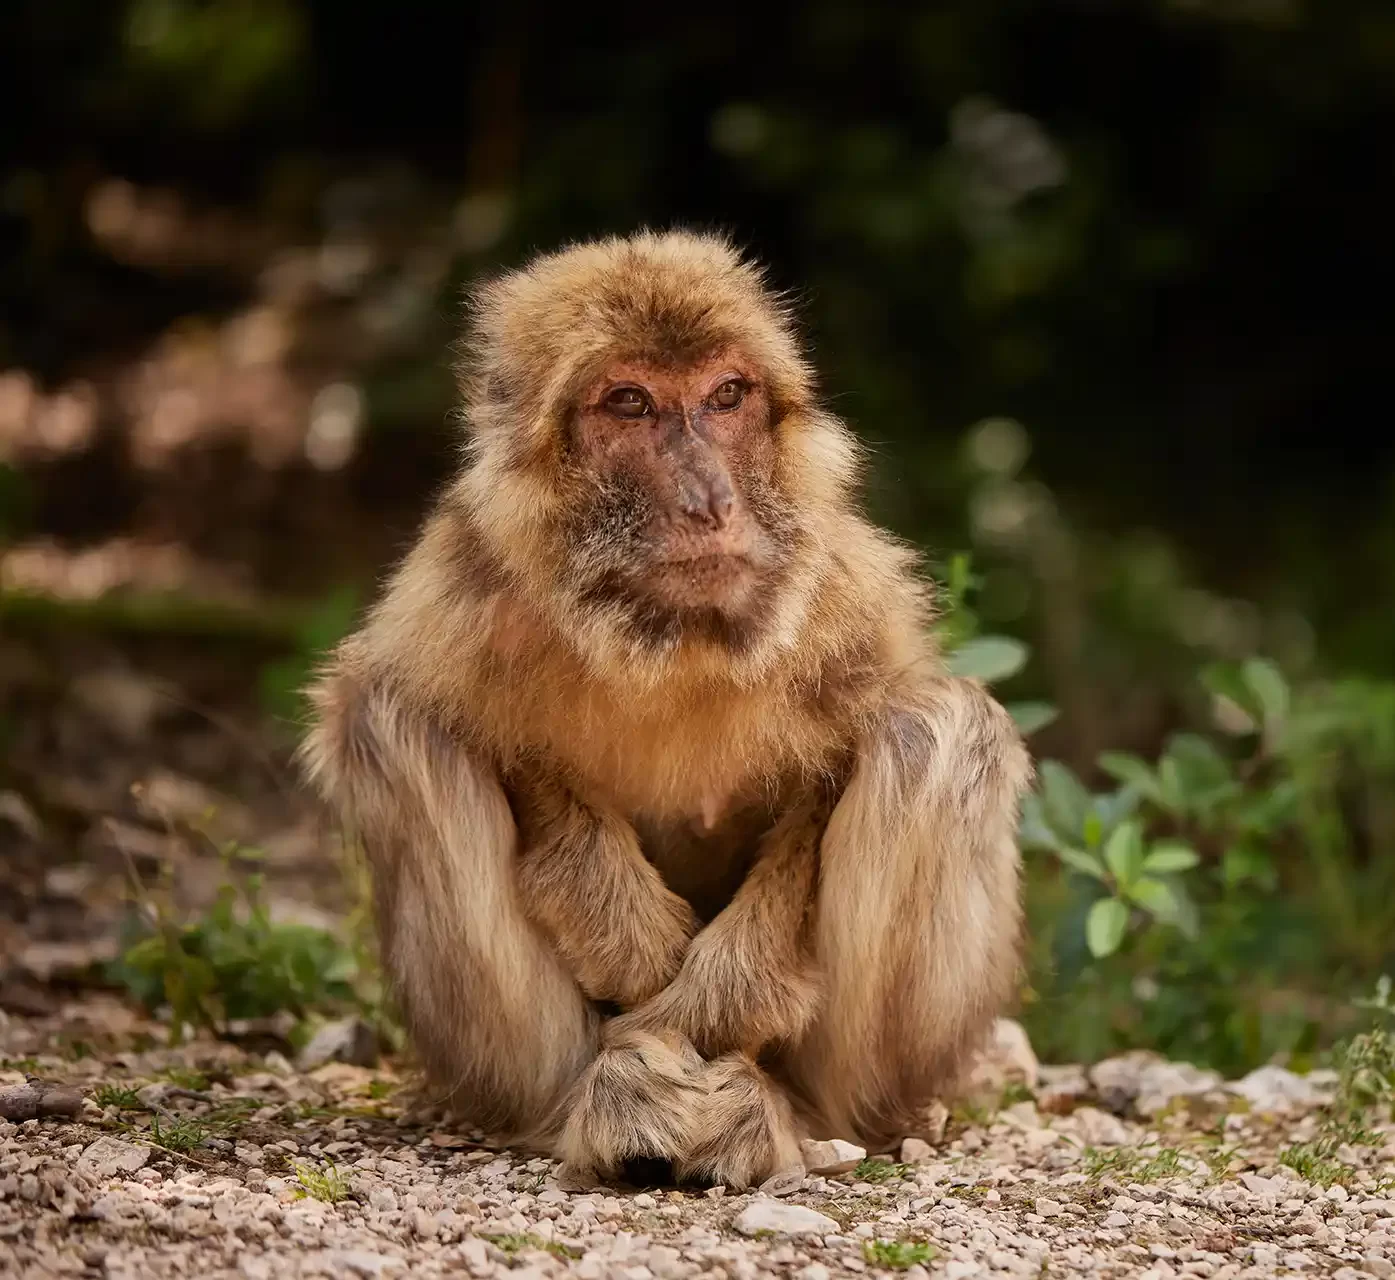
1147, 1083
125, 702
349, 1040
108, 1157
834, 1156
1006, 1059
1271, 1088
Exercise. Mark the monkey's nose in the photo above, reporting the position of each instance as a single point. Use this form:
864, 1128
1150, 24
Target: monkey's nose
709, 501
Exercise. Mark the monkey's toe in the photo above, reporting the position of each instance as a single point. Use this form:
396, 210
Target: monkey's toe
745, 1128
636, 1103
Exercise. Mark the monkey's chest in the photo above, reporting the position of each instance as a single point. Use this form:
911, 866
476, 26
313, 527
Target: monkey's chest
705, 867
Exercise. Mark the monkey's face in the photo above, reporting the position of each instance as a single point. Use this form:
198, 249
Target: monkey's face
678, 515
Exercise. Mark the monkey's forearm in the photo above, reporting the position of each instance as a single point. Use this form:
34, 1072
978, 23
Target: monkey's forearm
584, 880
748, 978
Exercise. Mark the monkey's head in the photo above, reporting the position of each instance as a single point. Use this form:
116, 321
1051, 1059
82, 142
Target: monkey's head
648, 463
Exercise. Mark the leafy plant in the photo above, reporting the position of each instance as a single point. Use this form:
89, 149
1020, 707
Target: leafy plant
234, 961
990, 658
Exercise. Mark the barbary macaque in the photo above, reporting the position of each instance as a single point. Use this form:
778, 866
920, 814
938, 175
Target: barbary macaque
685, 844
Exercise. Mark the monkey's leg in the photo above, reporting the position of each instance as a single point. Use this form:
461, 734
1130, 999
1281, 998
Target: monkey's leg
502, 1029
918, 916
585, 882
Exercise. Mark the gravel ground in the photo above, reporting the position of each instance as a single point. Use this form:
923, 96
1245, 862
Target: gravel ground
1135, 1167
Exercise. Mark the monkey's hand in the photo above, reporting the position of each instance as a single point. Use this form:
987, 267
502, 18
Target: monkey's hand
749, 979
584, 881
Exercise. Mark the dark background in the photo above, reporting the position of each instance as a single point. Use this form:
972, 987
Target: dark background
1148, 244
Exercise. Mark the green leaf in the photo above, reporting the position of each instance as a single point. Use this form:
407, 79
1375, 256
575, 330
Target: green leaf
1033, 831
1156, 897
989, 658
1170, 856
1246, 863
1112, 809
1031, 716
1269, 687
1123, 852
1104, 927
1094, 828
1123, 766
1064, 800
1224, 680
1171, 794
1079, 860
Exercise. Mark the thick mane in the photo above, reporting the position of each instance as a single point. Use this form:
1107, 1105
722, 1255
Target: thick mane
536, 335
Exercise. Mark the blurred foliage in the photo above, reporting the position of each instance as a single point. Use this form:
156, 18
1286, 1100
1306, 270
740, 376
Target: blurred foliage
1081, 275
233, 961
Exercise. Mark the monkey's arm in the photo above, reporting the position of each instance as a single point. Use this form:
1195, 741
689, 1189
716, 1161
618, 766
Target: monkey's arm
502, 1028
748, 978
585, 882
911, 883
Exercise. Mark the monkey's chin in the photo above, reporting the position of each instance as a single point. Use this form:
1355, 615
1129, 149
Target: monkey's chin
723, 582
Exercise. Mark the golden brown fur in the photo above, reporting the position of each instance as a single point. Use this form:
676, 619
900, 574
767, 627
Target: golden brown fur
561, 772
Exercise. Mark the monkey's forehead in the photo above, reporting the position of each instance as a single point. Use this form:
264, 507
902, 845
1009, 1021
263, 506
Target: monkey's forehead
667, 300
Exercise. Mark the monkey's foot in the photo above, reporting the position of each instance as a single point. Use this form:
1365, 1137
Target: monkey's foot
745, 1128
637, 1102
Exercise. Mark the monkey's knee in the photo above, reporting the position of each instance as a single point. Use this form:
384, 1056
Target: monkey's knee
637, 1101
745, 1128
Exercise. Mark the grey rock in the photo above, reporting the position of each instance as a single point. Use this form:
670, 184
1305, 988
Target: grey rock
781, 1218
1271, 1088
369, 1265
108, 1157
1099, 1128
833, 1156
348, 1040
916, 1150
784, 1182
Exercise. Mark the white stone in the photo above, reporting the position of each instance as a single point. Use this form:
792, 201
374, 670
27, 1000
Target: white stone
364, 1263
916, 1150
108, 1157
381, 1198
1099, 1128
1271, 1088
814, 1271
1116, 1221
781, 1218
1048, 1208
644, 1201
1006, 1059
834, 1156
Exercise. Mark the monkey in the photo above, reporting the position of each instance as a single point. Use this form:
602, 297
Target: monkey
685, 843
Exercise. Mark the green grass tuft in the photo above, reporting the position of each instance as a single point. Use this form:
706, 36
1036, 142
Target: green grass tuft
879, 1171
326, 1184
119, 1096
898, 1254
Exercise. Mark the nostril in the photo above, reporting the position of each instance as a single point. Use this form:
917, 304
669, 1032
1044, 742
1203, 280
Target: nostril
719, 503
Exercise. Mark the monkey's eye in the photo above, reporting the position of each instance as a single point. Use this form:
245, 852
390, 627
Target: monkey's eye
627, 402
730, 394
